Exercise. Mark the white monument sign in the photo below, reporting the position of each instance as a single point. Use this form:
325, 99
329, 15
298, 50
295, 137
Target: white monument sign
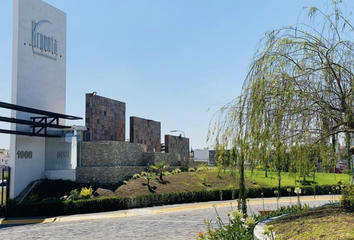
38, 81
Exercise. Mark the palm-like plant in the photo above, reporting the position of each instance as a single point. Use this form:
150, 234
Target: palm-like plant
159, 168
148, 177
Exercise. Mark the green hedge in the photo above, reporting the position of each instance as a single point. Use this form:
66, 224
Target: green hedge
120, 203
347, 199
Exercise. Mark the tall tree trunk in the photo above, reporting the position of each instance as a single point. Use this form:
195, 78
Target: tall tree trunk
242, 186
349, 154
279, 175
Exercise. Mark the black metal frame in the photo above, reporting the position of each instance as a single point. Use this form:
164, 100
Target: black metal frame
39, 124
4, 203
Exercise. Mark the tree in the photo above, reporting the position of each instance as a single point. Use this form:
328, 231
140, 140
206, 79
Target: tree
299, 92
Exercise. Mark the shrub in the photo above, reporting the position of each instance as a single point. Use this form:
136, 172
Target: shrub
86, 193
148, 177
159, 168
136, 176
33, 198
143, 174
203, 167
238, 227
191, 170
347, 199
120, 203
166, 173
125, 182
177, 170
74, 194
183, 167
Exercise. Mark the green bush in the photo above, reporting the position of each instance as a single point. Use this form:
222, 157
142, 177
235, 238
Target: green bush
238, 227
74, 194
136, 176
177, 170
86, 193
33, 198
347, 199
120, 203
191, 170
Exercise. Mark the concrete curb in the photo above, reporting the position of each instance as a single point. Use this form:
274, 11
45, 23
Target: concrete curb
68, 218
258, 231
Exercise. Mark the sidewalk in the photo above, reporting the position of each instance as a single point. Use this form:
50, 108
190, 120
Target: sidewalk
161, 209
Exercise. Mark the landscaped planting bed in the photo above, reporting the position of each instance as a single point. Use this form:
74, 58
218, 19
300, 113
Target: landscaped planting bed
329, 222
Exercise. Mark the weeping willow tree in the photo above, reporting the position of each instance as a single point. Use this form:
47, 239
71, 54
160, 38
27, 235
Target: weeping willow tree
298, 95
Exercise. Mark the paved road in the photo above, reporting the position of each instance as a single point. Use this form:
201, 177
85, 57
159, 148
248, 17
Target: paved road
168, 222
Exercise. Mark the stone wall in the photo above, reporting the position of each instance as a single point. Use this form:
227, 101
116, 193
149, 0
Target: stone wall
113, 161
169, 158
105, 118
177, 145
112, 153
110, 175
146, 132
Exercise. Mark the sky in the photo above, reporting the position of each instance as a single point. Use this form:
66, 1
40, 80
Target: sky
177, 61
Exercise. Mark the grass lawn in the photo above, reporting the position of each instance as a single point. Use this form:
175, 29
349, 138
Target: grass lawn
287, 180
330, 222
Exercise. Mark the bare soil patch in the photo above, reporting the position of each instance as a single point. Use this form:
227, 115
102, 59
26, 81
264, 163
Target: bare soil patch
181, 182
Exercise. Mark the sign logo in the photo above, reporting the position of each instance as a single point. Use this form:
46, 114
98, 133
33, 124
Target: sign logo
43, 45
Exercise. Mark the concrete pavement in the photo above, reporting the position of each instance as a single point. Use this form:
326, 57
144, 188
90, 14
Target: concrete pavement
181, 222
270, 204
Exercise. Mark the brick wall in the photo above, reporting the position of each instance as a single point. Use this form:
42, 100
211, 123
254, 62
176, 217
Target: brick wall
105, 118
146, 132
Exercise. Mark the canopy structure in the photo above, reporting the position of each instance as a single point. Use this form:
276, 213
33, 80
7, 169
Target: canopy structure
39, 124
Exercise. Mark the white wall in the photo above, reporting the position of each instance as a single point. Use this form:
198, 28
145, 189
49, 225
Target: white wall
201, 155
37, 82
61, 174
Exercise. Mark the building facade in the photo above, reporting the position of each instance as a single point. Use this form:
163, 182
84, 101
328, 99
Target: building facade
4, 157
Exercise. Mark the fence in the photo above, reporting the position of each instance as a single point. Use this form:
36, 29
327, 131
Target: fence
4, 191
